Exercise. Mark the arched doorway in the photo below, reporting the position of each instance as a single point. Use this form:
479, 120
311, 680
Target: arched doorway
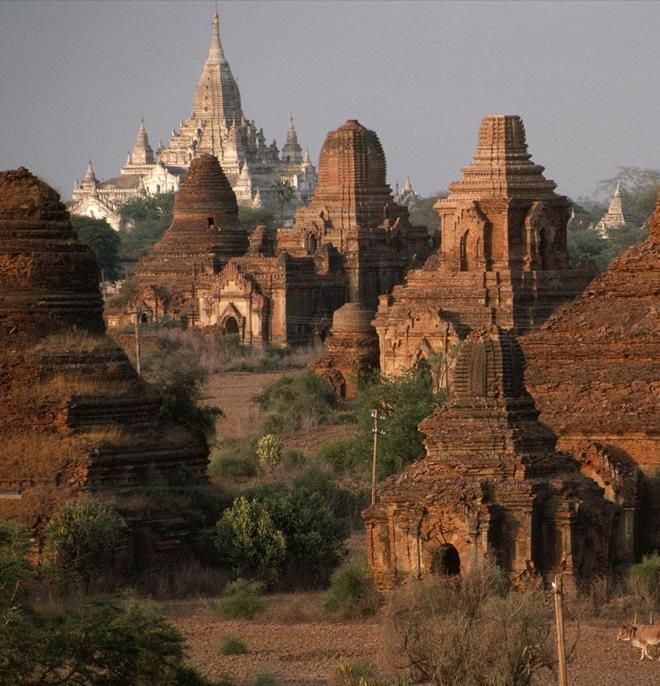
462, 247
311, 244
445, 560
230, 326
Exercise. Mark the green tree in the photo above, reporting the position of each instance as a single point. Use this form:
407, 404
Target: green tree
269, 452
403, 402
249, 542
423, 213
314, 536
103, 240
84, 535
99, 642
181, 380
143, 222
283, 193
249, 217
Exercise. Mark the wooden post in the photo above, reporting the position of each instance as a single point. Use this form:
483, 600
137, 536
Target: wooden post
374, 456
138, 357
557, 589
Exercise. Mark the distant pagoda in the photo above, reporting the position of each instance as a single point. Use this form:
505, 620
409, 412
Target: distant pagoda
217, 127
616, 215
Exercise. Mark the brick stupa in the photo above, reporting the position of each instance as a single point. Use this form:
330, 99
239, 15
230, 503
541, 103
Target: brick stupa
350, 354
204, 234
491, 481
75, 415
502, 256
594, 370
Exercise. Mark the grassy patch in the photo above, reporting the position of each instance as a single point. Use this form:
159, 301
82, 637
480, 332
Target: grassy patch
241, 600
232, 645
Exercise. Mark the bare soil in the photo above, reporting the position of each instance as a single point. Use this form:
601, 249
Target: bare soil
300, 644
233, 393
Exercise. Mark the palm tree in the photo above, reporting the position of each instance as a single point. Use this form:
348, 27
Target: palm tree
283, 193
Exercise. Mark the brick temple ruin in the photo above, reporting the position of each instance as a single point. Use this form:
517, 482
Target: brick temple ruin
502, 258
76, 417
350, 244
492, 482
594, 371
203, 235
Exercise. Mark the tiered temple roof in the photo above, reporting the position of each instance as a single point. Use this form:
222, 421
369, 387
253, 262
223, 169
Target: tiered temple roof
502, 256
203, 235
76, 416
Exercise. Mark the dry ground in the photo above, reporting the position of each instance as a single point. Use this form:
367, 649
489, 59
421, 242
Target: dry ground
233, 393
300, 644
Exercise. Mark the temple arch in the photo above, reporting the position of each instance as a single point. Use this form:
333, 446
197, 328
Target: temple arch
445, 560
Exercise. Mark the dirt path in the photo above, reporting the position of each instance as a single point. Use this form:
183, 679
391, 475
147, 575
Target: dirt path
233, 393
299, 644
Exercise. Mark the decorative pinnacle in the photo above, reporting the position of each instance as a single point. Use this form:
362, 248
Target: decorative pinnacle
216, 53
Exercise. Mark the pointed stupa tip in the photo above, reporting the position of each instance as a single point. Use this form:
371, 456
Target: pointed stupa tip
216, 53
407, 186
89, 174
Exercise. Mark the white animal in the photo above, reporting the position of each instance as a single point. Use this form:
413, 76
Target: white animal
641, 637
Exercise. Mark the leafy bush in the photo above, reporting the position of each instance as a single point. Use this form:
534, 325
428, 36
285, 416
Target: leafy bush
314, 536
143, 222
101, 641
293, 400
404, 401
265, 678
232, 645
180, 379
346, 505
269, 452
14, 565
241, 600
344, 454
234, 459
644, 581
84, 535
472, 631
249, 542
351, 591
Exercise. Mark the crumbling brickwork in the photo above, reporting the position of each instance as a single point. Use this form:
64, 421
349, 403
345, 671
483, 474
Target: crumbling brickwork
594, 370
502, 256
75, 415
492, 481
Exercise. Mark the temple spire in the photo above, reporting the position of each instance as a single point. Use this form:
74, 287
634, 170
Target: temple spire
89, 174
216, 54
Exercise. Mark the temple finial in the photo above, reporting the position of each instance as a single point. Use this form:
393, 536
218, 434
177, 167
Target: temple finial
216, 53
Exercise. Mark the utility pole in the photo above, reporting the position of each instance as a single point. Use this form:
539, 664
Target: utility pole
557, 590
138, 357
374, 455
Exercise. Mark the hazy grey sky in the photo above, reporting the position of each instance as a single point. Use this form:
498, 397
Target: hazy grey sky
75, 77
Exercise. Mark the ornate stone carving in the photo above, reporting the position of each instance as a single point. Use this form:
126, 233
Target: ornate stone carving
490, 480
502, 255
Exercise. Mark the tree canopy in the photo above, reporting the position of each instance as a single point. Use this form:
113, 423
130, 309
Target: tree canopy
103, 240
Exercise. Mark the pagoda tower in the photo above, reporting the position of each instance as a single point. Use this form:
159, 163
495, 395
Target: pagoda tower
491, 483
616, 215
502, 257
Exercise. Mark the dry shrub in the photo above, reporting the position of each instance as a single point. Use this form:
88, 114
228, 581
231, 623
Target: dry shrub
186, 580
298, 608
472, 630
